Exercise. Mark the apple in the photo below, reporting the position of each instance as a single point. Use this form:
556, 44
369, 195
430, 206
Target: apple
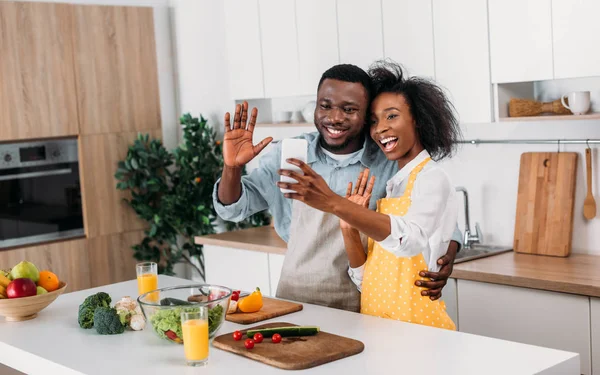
22, 287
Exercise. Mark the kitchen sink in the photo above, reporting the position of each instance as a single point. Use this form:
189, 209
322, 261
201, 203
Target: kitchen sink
477, 251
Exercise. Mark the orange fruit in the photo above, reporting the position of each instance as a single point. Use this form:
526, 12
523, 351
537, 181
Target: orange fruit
48, 281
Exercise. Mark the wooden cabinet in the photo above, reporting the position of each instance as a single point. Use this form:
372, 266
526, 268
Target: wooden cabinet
403, 20
237, 269
67, 259
576, 36
316, 25
244, 49
462, 61
595, 323
111, 257
37, 86
115, 69
359, 32
279, 47
104, 210
520, 36
548, 319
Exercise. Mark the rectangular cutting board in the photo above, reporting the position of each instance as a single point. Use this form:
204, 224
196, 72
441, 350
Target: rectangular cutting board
545, 203
272, 308
292, 353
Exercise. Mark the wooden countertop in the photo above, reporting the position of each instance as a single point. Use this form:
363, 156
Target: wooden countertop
576, 274
263, 239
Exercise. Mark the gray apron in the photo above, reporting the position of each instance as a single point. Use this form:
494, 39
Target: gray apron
315, 268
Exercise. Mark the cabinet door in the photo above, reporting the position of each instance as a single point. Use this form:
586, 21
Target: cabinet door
104, 210
595, 320
111, 257
536, 317
360, 32
116, 71
275, 266
279, 47
317, 41
520, 40
576, 34
462, 62
450, 298
237, 269
402, 21
37, 86
242, 27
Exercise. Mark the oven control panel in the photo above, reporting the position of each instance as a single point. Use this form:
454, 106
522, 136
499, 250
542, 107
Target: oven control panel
32, 154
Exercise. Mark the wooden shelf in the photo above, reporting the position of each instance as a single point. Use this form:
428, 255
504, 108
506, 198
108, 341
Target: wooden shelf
589, 116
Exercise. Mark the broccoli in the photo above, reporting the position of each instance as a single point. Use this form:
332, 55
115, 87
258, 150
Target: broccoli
88, 307
107, 321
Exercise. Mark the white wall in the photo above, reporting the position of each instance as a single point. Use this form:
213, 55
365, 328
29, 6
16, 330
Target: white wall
164, 52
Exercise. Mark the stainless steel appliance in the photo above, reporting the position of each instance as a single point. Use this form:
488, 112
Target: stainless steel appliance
40, 195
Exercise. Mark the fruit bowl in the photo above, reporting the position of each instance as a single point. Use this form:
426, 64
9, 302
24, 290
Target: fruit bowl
25, 308
162, 308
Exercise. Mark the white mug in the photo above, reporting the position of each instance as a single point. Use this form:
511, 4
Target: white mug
579, 102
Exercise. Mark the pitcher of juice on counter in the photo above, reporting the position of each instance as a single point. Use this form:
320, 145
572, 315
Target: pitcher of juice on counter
147, 278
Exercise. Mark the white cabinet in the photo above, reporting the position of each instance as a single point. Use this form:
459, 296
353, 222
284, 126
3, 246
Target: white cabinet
403, 21
520, 40
462, 63
317, 41
275, 266
360, 32
237, 269
279, 47
548, 319
243, 49
450, 298
576, 33
595, 320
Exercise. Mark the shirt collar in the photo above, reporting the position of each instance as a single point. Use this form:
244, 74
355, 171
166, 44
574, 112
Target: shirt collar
404, 172
366, 156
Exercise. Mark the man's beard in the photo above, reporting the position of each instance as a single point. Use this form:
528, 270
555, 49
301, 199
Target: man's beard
336, 148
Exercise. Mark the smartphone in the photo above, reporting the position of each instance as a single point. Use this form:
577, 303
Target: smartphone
292, 148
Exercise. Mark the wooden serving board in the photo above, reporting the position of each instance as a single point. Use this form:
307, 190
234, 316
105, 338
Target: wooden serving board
293, 353
545, 203
272, 308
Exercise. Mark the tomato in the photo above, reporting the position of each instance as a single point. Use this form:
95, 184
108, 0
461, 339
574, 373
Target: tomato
249, 344
276, 338
258, 337
235, 295
237, 335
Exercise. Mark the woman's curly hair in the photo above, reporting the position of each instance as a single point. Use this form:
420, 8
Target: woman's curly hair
437, 126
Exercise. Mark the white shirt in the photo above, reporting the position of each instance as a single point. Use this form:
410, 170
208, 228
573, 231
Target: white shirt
339, 157
428, 225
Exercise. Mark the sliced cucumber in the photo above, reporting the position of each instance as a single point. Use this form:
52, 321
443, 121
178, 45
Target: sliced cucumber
285, 331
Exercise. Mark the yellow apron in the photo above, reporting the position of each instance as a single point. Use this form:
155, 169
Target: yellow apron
388, 287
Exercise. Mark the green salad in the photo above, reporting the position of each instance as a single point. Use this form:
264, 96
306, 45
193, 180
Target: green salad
167, 322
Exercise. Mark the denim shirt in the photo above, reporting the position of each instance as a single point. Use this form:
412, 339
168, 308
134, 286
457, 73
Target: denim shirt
259, 191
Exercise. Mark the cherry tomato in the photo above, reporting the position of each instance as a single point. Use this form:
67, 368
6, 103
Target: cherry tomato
249, 344
276, 338
235, 295
258, 337
237, 335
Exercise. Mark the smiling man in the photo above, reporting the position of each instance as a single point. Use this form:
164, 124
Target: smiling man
315, 268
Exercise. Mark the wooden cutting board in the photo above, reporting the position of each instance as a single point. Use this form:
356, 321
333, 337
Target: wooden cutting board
272, 308
545, 203
293, 353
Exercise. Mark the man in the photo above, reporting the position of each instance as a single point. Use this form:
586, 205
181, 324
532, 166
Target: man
316, 265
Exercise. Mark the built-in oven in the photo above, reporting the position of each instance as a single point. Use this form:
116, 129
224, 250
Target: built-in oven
40, 194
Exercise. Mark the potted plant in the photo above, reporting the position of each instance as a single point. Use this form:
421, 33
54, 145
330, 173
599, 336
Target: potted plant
172, 191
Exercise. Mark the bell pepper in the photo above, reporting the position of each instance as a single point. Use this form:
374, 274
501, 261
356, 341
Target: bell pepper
252, 303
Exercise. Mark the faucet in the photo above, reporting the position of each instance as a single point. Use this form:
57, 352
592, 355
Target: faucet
468, 237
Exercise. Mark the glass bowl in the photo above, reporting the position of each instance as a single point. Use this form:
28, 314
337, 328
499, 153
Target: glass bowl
162, 307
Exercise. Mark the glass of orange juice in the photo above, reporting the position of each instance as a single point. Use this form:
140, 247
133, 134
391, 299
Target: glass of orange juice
194, 326
147, 277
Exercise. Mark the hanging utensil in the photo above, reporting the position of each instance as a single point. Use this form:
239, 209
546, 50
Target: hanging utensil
589, 204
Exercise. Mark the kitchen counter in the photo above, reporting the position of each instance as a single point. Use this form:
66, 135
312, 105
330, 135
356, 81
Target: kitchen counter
576, 274
53, 343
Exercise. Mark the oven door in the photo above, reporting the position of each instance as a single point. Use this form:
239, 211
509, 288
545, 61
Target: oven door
39, 204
